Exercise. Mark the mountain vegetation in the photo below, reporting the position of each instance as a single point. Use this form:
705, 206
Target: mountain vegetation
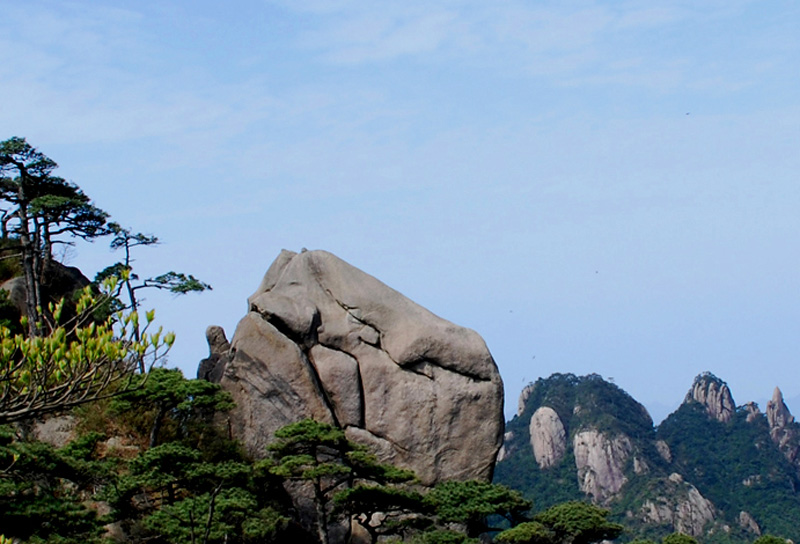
110, 481
712, 474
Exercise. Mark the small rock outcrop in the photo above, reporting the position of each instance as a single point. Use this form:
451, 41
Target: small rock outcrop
664, 451
524, 396
682, 507
714, 394
748, 523
219, 349
507, 448
56, 430
753, 412
548, 437
325, 340
601, 461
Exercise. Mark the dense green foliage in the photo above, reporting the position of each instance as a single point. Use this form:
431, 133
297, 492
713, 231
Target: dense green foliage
530, 532
571, 522
577, 522
678, 538
37, 211
581, 402
189, 483
41, 489
471, 503
195, 485
736, 466
73, 362
345, 474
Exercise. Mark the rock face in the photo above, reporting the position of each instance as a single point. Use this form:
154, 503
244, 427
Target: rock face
714, 394
323, 339
60, 281
664, 451
683, 507
524, 396
753, 413
782, 428
219, 348
548, 437
778, 414
506, 449
601, 461
747, 523
57, 431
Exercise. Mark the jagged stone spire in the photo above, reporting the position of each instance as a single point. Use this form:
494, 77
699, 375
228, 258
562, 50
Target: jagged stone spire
714, 394
782, 429
778, 414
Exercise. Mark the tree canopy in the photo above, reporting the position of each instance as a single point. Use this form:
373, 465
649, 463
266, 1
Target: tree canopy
38, 210
74, 362
471, 503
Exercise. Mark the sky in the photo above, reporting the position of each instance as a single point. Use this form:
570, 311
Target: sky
603, 187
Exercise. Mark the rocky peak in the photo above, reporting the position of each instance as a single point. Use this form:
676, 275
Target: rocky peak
603, 427
778, 414
782, 428
714, 394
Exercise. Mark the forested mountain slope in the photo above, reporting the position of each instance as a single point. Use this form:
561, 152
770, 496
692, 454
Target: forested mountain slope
711, 470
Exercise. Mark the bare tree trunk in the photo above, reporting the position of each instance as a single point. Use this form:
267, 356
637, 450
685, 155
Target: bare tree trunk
156, 429
38, 268
211, 513
322, 515
134, 302
29, 270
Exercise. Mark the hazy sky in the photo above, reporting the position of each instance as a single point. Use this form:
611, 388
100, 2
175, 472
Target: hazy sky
606, 187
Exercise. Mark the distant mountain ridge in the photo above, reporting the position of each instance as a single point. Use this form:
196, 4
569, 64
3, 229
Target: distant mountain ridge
711, 469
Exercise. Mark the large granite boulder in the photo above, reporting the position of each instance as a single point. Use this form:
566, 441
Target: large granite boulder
548, 437
325, 340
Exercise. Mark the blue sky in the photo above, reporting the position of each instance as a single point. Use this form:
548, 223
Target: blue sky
604, 187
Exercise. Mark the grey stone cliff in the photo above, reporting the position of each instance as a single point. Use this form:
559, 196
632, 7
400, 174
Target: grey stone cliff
325, 340
600, 460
